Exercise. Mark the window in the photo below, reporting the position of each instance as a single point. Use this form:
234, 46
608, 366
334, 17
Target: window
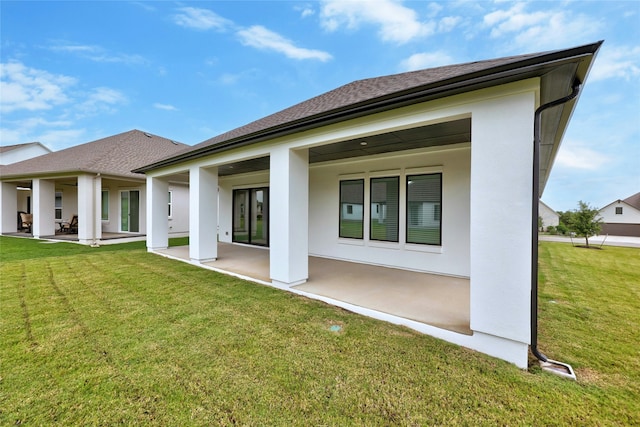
58, 204
352, 208
619, 210
424, 209
170, 204
105, 205
385, 203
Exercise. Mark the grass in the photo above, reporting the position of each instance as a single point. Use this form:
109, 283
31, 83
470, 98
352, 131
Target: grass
114, 335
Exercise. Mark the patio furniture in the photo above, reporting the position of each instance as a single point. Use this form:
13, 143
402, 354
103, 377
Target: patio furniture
71, 226
25, 221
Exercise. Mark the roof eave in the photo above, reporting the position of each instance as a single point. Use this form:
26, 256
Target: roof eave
520, 70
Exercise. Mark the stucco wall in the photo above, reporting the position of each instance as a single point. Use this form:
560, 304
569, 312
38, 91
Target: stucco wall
179, 221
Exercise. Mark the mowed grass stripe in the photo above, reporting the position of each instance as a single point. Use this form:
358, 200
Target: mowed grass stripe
133, 338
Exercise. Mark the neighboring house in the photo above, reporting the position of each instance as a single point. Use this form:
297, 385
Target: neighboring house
548, 215
622, 217
336, 175
93, 181
16, 153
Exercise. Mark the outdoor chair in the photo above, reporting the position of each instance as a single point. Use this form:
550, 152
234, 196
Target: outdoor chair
71, 226
26, 221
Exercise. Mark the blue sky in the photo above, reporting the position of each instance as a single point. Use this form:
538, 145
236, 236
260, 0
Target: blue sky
73, 72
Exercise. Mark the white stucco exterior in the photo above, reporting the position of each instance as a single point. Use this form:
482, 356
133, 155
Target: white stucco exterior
304, 206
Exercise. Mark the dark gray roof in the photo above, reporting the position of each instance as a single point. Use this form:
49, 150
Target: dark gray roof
115, 155
633, 201
382, 93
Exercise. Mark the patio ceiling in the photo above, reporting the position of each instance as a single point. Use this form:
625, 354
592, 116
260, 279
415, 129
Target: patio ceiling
441, 134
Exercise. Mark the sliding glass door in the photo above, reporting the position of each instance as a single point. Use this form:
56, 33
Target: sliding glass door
251, 216
130, 211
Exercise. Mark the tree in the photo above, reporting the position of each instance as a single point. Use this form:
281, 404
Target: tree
585, 221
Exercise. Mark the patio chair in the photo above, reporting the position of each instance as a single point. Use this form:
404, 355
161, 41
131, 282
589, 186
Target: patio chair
25, 221
71, 226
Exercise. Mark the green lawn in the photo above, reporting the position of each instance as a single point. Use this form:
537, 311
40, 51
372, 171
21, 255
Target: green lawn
114, 335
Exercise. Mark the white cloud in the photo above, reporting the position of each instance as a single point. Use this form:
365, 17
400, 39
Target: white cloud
419, 61
617, 62
576, 156
201, 19
96, 53
448, 23
100, 100
261, 38
25, 88
305, 10
397, 23
546, 28
166, 107
30, 129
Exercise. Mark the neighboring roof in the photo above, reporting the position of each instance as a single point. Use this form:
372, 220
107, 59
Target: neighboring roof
115, 155
7, 148
373, 95
633, 201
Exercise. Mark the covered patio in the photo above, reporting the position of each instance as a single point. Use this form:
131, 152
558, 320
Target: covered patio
401, 296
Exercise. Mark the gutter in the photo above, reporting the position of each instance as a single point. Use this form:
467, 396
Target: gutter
531, 67
547, 364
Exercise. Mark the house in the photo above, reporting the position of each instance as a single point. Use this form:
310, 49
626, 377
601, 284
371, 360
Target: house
622, 217
93, 181
16, 153
548, 215
433, 172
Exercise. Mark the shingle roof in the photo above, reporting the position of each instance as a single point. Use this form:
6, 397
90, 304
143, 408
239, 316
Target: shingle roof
633, 201
115, 155
380, 93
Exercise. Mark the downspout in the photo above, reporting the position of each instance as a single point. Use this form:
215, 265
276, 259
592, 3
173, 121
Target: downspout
94, 243
535, 198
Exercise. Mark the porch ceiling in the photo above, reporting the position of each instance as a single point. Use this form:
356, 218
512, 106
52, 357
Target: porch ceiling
453, 132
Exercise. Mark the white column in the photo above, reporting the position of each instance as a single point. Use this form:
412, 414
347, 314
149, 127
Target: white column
86, 209
289, 216
44, 208
500, 235
157, 213
203, 214
8, 207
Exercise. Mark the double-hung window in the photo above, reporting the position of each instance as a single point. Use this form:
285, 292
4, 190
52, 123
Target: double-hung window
385, 204
352, 208
424, 209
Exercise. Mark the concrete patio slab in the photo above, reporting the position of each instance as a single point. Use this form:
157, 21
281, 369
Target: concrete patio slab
435, 300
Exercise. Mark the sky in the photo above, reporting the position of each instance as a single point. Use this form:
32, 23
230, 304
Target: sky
73, 72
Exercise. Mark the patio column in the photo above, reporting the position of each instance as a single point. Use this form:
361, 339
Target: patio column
289, 216
87, 212
44, 212
157, 211
203, 214
8, 207
500, 235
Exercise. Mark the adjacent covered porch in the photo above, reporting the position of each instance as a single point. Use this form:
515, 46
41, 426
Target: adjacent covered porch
401, 296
